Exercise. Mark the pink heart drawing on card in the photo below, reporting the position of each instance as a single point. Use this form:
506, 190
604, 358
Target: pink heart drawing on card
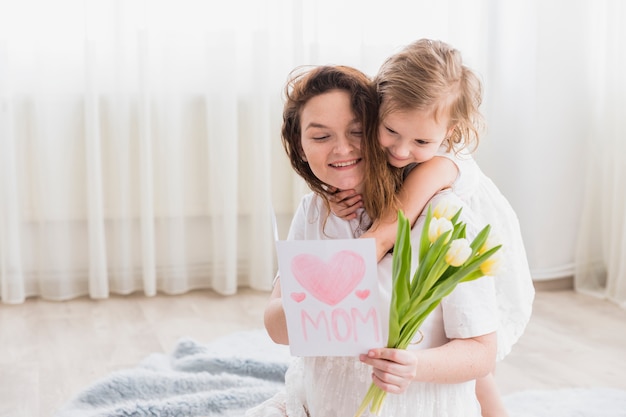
298, 296
362, 294
332, 281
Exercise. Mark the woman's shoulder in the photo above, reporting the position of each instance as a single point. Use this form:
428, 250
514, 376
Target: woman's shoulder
301, 220
311, 202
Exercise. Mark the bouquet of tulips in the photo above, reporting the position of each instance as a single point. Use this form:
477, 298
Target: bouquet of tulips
446, 258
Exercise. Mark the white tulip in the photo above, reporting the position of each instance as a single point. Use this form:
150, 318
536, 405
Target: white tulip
458, 252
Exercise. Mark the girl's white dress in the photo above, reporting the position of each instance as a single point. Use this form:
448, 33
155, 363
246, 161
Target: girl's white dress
335, 386
514, 287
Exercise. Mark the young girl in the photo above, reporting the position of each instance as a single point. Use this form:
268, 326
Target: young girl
429, 125
329, 121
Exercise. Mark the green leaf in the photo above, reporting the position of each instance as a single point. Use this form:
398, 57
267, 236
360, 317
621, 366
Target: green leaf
473, 276
437, 249
456, 216
480, 239
459, 231
424, 241
414, 325
401, 272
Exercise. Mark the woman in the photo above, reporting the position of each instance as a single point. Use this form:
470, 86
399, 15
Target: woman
329, 124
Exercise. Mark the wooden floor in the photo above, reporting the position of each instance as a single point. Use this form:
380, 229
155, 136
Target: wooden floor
49, 351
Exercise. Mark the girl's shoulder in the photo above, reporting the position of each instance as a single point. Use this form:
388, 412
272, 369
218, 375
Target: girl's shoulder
462, 158
455, 154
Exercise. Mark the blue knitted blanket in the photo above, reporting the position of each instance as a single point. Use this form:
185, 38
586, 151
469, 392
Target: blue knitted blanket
223, 378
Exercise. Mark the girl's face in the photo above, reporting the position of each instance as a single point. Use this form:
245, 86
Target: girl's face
331, 140
412, 136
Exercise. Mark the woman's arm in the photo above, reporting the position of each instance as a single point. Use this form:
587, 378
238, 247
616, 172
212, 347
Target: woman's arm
274, 317
457, 361
422, 183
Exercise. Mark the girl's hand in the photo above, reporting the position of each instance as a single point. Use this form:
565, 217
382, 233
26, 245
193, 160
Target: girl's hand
344, 203
393, 369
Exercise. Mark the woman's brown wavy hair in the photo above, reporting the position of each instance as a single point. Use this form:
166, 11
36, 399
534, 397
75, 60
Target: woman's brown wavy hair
381, 181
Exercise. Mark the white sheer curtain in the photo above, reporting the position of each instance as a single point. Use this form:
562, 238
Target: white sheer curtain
139, 140
601, 251
136, 146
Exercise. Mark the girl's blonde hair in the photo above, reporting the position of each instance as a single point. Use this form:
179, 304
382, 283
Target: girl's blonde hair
429, 75
380, 182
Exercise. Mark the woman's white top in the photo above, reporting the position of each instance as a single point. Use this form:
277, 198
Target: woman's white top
335, 386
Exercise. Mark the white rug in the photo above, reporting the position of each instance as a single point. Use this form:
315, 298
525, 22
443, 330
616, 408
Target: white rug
571, 402
234, 373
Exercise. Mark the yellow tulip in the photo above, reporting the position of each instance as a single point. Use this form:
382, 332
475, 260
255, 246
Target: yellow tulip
458, 252
438, 226
491, 241
445, 209
492, 265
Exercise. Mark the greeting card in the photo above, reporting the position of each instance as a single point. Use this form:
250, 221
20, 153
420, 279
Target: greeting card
330, 296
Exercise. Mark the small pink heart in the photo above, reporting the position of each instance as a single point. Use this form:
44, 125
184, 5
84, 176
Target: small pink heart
362, 294
298, 296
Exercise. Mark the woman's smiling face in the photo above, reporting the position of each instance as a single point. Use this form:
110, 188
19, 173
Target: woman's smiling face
331, 140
